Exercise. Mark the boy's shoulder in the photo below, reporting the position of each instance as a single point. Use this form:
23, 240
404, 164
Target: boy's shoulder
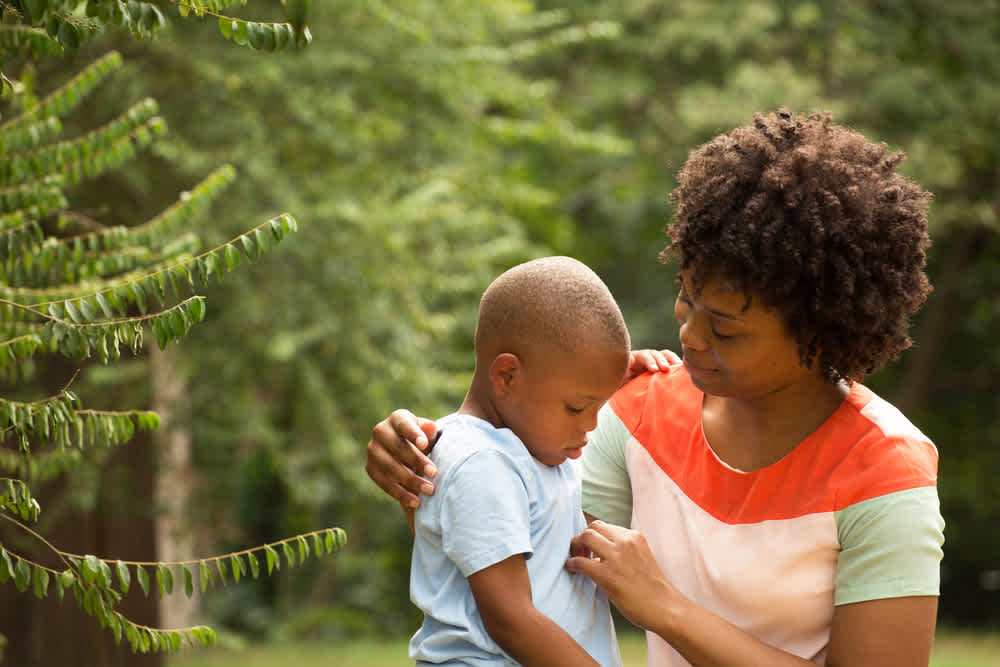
464, 437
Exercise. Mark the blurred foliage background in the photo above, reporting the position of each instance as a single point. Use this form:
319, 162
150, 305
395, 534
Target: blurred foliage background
424, 146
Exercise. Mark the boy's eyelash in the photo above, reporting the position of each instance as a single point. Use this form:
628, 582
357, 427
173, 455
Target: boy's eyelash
573, 410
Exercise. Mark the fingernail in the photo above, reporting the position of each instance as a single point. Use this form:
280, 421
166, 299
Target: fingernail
430, 470
413, 504
427, 489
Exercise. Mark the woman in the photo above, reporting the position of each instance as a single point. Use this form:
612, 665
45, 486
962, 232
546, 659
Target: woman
781, 513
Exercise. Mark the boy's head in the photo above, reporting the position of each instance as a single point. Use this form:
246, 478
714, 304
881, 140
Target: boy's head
551, 348
812, 219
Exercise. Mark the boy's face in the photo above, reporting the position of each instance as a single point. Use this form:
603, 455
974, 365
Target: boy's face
554, 403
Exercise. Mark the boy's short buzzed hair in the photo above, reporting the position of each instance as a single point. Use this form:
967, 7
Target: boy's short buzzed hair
552, 302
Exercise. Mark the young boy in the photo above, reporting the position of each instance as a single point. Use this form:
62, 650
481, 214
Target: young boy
491, 544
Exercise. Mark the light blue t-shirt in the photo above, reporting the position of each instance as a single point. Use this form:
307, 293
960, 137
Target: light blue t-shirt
494, 500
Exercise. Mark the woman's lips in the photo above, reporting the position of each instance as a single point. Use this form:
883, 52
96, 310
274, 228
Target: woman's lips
696, 370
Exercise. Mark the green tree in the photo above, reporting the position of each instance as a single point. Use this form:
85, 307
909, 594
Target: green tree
84, 287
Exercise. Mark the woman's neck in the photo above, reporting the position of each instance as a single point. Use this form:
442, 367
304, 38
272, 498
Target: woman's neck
753, 433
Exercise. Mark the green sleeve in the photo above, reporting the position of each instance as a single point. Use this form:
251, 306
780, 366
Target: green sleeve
607, 492
890, 547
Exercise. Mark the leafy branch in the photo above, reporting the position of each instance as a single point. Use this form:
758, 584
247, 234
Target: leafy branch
99, 584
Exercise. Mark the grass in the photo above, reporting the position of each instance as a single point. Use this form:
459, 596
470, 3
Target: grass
951, 649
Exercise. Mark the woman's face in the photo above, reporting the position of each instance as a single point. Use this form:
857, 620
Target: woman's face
736, 348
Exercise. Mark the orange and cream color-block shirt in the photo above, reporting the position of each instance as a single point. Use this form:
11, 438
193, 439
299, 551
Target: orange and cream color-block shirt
851, 514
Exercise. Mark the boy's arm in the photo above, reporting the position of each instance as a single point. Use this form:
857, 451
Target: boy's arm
503, 596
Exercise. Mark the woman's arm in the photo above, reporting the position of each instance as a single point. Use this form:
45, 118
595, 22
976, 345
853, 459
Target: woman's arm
894, 632
503, 597
397, 451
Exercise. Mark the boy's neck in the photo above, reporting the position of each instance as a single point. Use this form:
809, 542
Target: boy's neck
478, 403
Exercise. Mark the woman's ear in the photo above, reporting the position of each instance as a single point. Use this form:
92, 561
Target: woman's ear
504, 372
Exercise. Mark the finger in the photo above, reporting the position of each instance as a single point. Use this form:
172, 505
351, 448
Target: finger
668, 358
591, 541
408, 427
643, 360
586, 566
393, 477
401, 437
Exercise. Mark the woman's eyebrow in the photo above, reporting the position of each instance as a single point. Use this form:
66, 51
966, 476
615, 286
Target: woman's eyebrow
725, 315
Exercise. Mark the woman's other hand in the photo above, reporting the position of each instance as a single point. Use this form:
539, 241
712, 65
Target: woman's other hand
397, 457
621, 563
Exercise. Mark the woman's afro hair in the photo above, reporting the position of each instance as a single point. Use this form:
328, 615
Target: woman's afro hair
812, 219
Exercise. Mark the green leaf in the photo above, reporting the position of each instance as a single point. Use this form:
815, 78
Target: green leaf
196, 309
221, 567
124, 578
289, 554
303, 549
41, 582
105, 305
22, 575
240, 33
143, 577
164, 579
254, 565
87, 310
204, 575
237, 564
232, 257
6, 567
261, 36
72, 311
139, 295
69, 37
249, 248
188, 582
226, 27
273, 560
90, 568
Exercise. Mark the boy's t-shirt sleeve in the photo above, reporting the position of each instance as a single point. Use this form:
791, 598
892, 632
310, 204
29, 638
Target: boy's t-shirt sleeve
485, 512
607, 490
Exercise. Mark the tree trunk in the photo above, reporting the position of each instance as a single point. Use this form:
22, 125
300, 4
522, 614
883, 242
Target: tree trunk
173, 482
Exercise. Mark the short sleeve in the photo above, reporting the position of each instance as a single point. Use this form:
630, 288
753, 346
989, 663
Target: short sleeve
485, 512
891, 546
607, 491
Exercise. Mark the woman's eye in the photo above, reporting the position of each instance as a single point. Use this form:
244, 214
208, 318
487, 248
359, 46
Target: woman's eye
721, 336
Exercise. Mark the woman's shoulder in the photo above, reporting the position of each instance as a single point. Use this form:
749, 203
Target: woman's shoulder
882, 451
661, 397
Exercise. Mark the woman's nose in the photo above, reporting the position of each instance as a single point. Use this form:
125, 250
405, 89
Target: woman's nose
691, 337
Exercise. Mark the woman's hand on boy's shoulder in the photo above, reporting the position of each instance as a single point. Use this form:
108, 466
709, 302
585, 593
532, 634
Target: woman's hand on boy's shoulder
397, 457
650, 361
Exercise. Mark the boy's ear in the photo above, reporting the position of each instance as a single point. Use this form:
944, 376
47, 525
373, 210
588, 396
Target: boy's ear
504, 372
